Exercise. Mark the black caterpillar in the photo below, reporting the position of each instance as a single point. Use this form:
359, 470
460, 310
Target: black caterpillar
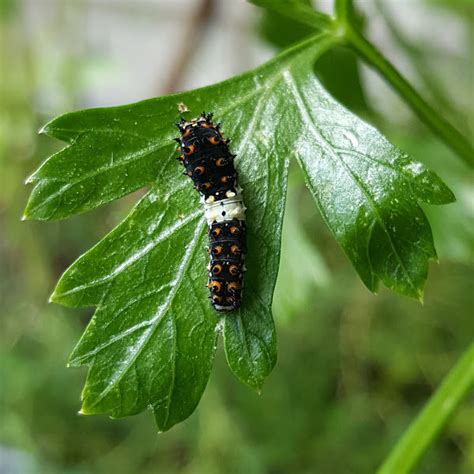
208, 161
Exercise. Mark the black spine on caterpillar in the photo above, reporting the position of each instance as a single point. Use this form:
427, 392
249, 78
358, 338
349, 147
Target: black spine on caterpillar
208, 161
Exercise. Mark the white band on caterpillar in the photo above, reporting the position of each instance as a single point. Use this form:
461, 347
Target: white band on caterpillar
225, 210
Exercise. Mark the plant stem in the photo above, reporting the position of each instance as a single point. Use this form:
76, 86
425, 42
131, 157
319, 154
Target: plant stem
452, 137
343, 10
344, 30
433, 417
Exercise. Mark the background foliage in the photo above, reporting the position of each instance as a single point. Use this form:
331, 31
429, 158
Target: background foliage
356, 368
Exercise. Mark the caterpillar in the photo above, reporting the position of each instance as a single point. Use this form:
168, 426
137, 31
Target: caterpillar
205, 155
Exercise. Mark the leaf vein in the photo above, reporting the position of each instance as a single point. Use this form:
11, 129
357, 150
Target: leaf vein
307, 118
161, 310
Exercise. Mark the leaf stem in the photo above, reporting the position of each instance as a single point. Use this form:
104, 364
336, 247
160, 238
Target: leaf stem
344, 29
433, 417
343, 9
452, 137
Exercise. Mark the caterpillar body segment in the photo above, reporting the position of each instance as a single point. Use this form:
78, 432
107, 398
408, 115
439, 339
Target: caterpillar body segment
207, 160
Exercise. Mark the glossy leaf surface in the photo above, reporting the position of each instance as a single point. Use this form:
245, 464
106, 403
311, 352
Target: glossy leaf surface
152, 339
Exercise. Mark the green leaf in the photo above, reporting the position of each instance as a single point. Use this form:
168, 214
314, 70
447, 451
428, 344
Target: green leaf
281, 31
337, 68
367, 189
126, 157
338, 71
299, 10
345, 28
152, 340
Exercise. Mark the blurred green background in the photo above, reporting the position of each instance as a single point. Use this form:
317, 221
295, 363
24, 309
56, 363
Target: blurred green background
354, 368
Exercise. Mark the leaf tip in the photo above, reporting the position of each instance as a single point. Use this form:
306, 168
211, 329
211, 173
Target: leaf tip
53, 298
86, 411
451, 197
72, 362
46, 129
29, 211
256, 385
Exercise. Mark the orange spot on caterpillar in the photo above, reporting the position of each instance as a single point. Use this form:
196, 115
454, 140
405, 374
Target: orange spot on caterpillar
215, 286
189, 150
233, 269
233, 287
